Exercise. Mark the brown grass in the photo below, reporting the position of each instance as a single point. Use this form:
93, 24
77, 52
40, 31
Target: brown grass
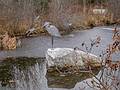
72, 14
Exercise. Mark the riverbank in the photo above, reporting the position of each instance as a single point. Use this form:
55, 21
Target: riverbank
64, 30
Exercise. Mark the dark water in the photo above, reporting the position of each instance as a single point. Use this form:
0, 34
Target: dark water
31, 74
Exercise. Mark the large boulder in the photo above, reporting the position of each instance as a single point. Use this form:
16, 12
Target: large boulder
68, 56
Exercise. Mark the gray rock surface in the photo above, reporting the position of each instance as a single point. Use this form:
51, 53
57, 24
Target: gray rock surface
68, 56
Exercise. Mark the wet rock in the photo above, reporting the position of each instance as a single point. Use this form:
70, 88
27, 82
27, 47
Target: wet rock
67, 56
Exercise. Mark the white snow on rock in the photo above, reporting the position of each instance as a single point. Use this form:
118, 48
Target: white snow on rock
68, 56
58, 52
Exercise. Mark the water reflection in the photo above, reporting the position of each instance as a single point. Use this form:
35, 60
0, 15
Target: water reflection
30, 74
65, 81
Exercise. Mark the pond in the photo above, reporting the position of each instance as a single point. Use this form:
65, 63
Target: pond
24, 73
